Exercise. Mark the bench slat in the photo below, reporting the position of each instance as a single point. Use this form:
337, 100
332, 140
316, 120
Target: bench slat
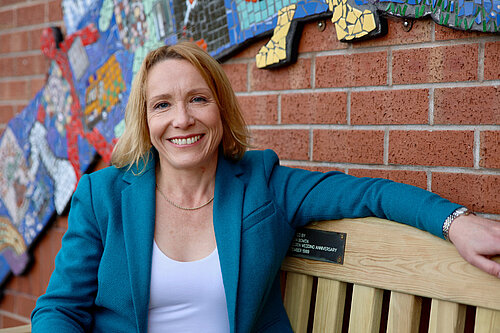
297, 300
329, 308
446, 317
487, 321
404, 313
17, 329
366, 309
392, 256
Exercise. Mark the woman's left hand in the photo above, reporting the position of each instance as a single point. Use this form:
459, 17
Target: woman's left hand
477, 240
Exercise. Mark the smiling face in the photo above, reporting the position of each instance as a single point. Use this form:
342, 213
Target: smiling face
183, 117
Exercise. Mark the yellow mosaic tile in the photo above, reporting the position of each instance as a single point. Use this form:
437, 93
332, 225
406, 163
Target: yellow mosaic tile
275, 50
369, 21
351, 17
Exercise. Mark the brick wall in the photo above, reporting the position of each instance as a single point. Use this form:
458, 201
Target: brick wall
420, 107
22, 74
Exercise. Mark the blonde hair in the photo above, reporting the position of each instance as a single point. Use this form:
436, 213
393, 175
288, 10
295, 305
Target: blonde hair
134, 145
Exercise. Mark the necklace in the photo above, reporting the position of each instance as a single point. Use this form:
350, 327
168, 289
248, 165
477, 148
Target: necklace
180, 207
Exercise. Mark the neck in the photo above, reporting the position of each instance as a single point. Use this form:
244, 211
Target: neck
187, 187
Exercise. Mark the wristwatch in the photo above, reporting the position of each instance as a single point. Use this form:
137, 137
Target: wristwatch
447, 223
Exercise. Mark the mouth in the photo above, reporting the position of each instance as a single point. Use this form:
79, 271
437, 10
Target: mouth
186, 141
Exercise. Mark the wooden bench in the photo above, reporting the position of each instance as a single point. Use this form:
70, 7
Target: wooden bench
393, 278
19, 329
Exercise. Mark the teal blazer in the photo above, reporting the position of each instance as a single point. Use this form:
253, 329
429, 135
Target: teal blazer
101, 280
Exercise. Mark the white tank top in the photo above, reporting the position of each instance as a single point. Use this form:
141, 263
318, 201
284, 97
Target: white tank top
187, 296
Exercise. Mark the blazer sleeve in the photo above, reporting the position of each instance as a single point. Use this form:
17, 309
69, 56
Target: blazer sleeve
68, 301
307, 196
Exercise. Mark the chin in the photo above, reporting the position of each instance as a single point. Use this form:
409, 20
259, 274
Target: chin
190, 163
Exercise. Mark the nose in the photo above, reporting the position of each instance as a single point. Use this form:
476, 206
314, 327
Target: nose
182, 117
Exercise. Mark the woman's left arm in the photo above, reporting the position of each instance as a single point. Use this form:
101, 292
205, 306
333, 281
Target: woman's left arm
477, 240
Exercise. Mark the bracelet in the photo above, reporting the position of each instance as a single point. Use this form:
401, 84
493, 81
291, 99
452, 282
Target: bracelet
447, 223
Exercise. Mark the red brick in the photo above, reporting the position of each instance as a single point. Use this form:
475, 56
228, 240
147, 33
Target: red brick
35, 86
31, 15
492, 61
436, 64
478, 192
14, 42
7, 67
14, 90
6, 113
20, 107
100, 165
390, 107
56, 240
55, 11
490, 149
40, 273
20, 283
437, 148
5, 43
7, 302
7, 19
11, 322
237, 74
35, 36
396, 34
288, 144
295, 76
32, 65
471, 105
415, 178
319, 168
250, 51
348, 146
314, 108
444, 33
37, 274
25, 305
313, 40
361, 69
260, 110
62, 222
8, 2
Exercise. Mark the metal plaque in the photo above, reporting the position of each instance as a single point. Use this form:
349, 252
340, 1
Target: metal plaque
319, 245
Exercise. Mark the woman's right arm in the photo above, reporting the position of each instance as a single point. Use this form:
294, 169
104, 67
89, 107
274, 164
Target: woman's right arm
68, 302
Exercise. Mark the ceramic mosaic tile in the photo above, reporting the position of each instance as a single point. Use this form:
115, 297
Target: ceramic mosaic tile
103, 93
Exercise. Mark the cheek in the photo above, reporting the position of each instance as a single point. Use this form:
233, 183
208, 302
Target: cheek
154, 120
155, 126
217, 121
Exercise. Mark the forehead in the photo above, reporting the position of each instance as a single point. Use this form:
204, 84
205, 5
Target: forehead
172, 69
173, 75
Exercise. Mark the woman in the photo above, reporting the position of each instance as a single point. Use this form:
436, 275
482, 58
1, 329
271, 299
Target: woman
170, 238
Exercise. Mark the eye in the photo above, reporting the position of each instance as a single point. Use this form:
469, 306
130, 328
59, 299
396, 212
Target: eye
199, 99
161, 106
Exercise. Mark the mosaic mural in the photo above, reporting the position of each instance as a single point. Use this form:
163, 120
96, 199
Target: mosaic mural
79, 111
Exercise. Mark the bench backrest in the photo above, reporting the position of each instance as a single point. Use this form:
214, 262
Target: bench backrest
394, 278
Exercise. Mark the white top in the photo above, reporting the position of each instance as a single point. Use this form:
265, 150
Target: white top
187, 296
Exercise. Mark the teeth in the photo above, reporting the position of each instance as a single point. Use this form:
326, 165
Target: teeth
187, 141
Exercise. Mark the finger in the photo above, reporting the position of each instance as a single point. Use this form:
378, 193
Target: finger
488, 265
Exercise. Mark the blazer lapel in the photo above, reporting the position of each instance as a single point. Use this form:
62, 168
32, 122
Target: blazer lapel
138, 212
227, 215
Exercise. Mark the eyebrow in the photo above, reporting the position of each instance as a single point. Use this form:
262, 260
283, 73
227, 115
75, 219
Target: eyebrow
193, 91
153, 99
